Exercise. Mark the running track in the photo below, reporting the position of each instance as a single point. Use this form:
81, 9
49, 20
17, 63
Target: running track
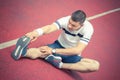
20, 17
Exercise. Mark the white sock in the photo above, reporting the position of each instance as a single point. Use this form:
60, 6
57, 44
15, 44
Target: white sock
60, 66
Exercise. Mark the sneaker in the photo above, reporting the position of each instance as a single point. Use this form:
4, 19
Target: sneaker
21, 47
54, 60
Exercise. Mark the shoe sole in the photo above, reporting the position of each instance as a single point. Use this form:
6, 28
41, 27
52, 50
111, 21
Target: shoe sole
21, 44
51, 60
51, 57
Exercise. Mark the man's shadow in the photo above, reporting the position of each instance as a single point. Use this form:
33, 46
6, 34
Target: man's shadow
74, 74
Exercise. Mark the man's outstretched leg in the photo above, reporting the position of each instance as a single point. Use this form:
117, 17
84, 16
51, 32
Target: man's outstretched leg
22, 50
34, 53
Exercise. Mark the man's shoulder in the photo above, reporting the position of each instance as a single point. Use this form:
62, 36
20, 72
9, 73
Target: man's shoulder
88, 25
87, 28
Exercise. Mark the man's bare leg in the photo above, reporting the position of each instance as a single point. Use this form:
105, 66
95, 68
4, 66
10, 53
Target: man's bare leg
34, 53
85, 65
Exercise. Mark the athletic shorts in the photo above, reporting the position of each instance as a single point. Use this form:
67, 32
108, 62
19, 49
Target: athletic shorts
65, 58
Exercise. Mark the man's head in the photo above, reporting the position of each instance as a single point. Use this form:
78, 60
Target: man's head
77, 19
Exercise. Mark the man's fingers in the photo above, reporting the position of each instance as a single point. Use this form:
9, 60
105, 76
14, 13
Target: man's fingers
33, 39
43, 51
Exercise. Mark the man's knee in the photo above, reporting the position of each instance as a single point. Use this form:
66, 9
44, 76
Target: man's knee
95, 65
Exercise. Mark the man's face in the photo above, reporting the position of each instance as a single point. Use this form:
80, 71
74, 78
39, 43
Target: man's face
72, 25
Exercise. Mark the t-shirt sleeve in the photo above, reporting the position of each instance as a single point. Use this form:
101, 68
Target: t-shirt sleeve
60, 23
88, 32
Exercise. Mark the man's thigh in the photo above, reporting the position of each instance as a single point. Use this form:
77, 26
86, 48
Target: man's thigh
72, 59
89, 62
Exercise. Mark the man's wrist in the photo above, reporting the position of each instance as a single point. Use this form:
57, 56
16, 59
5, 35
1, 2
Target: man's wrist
53, 50
40, 31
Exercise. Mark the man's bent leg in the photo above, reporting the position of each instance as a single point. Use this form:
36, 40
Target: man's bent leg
85, 65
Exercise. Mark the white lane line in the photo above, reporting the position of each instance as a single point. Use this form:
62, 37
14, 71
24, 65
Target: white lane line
103, 14
13, 42
8, 44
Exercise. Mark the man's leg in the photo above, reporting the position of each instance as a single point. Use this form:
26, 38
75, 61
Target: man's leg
85, 65
35, 53
74, 62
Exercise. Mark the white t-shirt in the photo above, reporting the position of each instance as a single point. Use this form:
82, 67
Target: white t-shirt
69, 38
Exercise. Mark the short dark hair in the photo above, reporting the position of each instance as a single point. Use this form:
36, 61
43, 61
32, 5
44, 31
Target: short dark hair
78, 16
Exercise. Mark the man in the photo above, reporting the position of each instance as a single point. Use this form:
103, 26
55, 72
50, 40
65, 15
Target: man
66, 51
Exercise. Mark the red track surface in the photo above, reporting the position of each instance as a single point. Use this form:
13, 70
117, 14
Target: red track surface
20, 17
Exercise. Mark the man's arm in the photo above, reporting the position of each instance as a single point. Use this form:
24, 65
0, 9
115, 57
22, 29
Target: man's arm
67, 51
41, 31
72, 51
49, 28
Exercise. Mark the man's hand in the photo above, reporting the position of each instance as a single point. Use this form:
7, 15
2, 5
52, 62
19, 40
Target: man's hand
46, 50
32, 35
